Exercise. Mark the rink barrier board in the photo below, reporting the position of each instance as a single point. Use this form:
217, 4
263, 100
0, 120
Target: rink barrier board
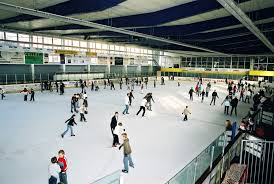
178, 70
261, 73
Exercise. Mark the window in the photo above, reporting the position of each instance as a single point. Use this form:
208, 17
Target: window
117, 47
111, 47
92, 45
2, 37
235, 62
57, 41
241, 62
23, 38
37, 39
122, 48
209, 62
47, 40
83, 44
132, 50
227, 62
11, 36
68, 42
149, 51
98, 45
75, 43
104, 46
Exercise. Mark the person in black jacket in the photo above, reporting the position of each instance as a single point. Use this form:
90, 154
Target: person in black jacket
71, 122
62, 88
130, 97
214, 95
234, 103
32, 94
113, 124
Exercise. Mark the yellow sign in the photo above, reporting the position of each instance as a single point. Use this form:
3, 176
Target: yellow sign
71, 52
202, 72
261, 73
91, 54
172, 70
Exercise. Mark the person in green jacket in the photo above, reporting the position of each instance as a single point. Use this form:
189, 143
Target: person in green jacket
127, 153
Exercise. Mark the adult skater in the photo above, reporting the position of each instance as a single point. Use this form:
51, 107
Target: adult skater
57, 86
127, 154
25, 93
73, 104
214, 96
54, 170
113, 124
2, 92
32, 95
247, 95
142, 88
62, 88
82, 87
234, 104
112, 85
186, 112
105, 84
82, 111
226, 103
149, 99
191, 91
92, 86
142, 107
126, 104
130, 97
154, 83
62, 161
121, 83
71, 122
203, 95
207, 90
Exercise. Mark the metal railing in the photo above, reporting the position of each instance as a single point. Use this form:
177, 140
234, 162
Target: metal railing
113, 178
195, 169
258, 155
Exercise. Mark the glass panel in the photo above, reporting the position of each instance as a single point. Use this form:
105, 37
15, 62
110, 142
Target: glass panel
98, 45
113, 178
75, 43
2, 37
83, 44
227, 62
23, 37
11, 36
57, 41
235, 62
47, 40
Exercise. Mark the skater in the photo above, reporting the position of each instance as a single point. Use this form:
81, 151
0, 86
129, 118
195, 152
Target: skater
92, 85
142, 107
127, 153
186, 112
226, 102
112, 85
62, 162
121, 83
214, 95
105, 84
41, 87
25, 93
149, 99
146, 81
117, 133
142, 89
234, 103
82, 87
2, 92
54, 170
242, 95
191, 91
71, 122
73, 104
126, 104
179, 84
57, 86
113, 124
82, 112
62, 88
154, 83
32, 95
203, 95
247, 96
130, 97
207, 90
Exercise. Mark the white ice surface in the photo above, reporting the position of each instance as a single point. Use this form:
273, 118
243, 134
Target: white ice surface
162, 143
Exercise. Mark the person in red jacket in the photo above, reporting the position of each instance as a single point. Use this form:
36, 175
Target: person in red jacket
62, 161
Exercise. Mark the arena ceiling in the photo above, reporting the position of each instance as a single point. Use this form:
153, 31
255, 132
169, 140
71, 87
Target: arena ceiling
203, 23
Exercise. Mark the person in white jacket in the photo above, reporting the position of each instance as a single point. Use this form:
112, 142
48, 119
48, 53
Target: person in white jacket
226, 102
82, 110
2, 92
126, 104
142, 107
54, 170
119, 129
186, 112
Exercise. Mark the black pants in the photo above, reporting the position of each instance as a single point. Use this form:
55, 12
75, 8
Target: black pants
226, 110
206, 94
32, 98
112, 87
233, 109
213, 100
115, 139
2, 96
185, 118
203, 99
191, 97
130, 101
142, 108
247, 99
82, 117
25, 97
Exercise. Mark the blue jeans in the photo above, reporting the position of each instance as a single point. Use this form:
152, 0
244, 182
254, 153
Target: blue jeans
52, 180
63, 177
127, 159
126, 110
69, 127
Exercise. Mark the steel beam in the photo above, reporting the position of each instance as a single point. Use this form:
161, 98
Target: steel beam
237, 12
37, 13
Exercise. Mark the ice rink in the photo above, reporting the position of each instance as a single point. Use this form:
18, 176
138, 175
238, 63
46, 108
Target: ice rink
162, 144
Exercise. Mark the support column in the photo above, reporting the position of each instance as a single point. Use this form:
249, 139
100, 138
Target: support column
139, 70
88, 68
125, 69
32, 72
63, 68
